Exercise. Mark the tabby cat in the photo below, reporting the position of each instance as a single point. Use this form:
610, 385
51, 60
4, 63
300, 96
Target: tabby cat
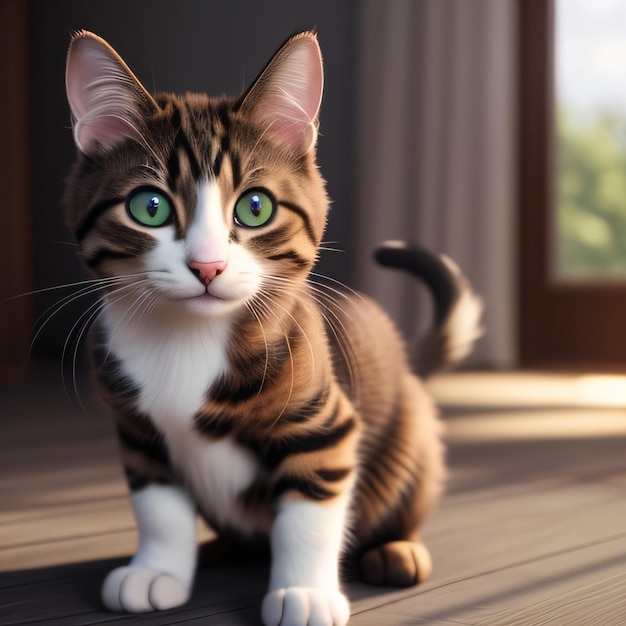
241, 390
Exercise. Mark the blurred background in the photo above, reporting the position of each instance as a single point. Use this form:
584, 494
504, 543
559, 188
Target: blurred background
490, 130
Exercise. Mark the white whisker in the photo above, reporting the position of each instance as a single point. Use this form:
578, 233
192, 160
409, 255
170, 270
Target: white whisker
97, 283
85, 326
130, 311
85, 320
327, 299
337, 282
291, 386
251, 307
61, 304
324, 248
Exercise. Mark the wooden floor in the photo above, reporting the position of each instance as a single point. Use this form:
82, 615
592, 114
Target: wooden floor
532, 529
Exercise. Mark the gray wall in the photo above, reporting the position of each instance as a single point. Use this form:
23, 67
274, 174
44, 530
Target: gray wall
215, 46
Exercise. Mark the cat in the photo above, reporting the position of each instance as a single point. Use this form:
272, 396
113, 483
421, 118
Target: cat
241, 390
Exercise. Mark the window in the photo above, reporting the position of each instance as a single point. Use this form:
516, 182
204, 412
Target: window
572, 184
590, 81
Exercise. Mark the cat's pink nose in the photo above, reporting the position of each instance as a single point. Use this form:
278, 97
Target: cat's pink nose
206, 272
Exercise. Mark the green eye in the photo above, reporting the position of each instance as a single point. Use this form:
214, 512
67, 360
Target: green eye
254, 208
149, 207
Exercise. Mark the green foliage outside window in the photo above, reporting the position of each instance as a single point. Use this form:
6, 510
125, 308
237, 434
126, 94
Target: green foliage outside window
591, 197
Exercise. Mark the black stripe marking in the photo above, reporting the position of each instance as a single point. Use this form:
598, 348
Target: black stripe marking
137, 481
265, 242
259, 370
223, 113
228, 389
308, 488
173, 161
303, 215
214, 425
330, 421
93, 214
219, 157
133, 243
173, 169
216, 151
153, 446
102, 253
333, 475
176, 118
306, 412
235, 163
292, 256
273, 453
109, 372
182, 143
216, 168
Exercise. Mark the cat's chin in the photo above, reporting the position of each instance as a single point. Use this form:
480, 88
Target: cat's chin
207, 305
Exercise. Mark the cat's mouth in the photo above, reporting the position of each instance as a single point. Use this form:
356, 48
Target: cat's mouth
207, 297
208, 303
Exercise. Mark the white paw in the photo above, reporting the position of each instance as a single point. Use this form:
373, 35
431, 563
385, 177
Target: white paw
138, 590
305, 606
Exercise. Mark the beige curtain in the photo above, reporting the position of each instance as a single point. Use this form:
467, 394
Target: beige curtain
435, 152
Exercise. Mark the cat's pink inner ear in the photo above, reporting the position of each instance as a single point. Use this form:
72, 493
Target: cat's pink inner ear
287, 97
104, 96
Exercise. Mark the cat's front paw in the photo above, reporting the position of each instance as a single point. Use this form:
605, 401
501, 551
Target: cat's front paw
139, 590
302, 606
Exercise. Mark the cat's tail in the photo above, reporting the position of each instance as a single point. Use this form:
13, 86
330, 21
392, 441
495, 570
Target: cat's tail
457, 309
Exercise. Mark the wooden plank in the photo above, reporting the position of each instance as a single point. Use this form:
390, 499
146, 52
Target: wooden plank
36, 554
33, 493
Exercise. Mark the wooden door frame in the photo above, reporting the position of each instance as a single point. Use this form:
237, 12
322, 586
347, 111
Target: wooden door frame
16, 254
561, 325
536, 72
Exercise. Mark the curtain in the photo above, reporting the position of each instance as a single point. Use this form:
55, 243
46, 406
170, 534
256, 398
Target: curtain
435, 153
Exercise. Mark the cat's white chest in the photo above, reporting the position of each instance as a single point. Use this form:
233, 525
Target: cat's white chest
173, 364
217, 472
173, 368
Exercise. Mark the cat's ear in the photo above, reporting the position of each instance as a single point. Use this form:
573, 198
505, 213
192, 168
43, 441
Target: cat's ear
286, 97
106, 99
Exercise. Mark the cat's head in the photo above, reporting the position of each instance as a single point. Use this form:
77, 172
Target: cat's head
200, 202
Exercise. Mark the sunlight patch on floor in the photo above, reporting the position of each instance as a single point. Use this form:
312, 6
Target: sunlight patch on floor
536, 425
528, 390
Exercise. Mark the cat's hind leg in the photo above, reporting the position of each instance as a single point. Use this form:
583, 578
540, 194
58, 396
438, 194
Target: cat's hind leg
396, 564
160, 575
